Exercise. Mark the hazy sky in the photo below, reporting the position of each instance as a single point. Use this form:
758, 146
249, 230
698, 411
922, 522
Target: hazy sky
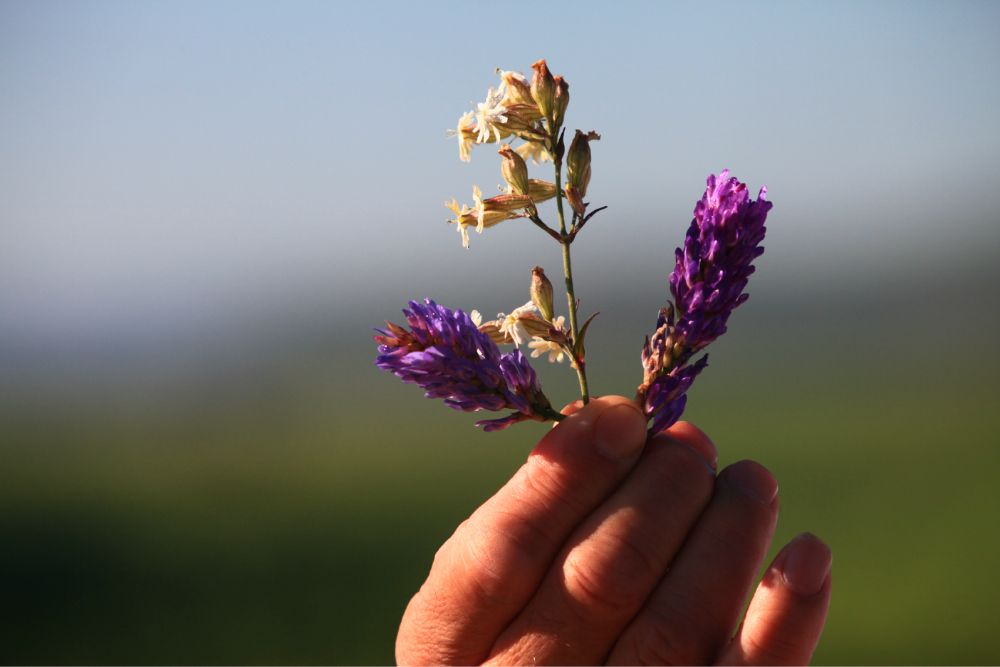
179, 162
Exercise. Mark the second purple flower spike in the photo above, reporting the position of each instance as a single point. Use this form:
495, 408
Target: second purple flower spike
710, 273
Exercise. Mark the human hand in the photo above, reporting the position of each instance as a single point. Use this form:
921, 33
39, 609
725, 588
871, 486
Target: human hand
608, 548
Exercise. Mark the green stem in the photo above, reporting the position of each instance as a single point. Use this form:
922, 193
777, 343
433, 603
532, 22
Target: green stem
549, 413
565, 242
545, 228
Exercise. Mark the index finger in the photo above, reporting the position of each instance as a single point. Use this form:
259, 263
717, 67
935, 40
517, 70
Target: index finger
489, 569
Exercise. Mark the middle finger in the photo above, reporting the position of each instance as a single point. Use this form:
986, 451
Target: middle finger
614, 558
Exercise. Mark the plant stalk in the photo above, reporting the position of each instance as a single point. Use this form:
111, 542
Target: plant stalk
565, 241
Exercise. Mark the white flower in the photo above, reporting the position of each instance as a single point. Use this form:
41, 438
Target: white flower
465, 131
480, 208
534, 151
489, 113
540, 346
462, 219
555, 351
511, 325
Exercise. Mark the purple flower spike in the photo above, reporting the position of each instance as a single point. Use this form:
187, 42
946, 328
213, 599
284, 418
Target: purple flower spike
667, 395
713, 268
445, 353
710, 273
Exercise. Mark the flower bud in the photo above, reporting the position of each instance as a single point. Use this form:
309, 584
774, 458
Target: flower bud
667, 314
578, 161
560, 101
505, 203
540, 190
578, 170
575, 199
541, 292
543, 88
514, 170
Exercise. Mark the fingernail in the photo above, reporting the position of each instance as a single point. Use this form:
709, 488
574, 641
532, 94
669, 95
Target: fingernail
753, 480
807, 564
620, 432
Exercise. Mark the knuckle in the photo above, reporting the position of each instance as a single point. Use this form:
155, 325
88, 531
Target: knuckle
611, 577
666, 644
543, 483
684, 631
422, 635
483, 572
497, 554
588, 587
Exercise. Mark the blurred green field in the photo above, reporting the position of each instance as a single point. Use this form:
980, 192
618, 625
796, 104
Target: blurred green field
288, 522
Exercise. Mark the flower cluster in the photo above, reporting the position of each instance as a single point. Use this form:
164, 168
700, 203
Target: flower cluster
516, 109
445, 353
456, 357
710, 273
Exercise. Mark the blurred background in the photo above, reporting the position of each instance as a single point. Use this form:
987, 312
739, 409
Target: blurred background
206, 207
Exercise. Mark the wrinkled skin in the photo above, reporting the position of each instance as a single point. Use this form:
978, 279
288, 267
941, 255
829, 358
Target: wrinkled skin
610, 547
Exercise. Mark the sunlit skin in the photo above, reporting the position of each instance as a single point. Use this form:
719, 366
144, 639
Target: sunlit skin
610, 547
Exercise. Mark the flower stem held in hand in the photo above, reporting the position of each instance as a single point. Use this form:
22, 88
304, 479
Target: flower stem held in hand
454, 356
565, 241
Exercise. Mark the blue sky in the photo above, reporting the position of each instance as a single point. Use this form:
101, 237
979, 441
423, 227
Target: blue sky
175, 164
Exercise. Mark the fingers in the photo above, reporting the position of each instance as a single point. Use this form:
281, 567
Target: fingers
786, 616
615, 557
489, 569
695, 438
693, 611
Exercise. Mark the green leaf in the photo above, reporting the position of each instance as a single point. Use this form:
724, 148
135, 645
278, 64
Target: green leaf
579, 350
